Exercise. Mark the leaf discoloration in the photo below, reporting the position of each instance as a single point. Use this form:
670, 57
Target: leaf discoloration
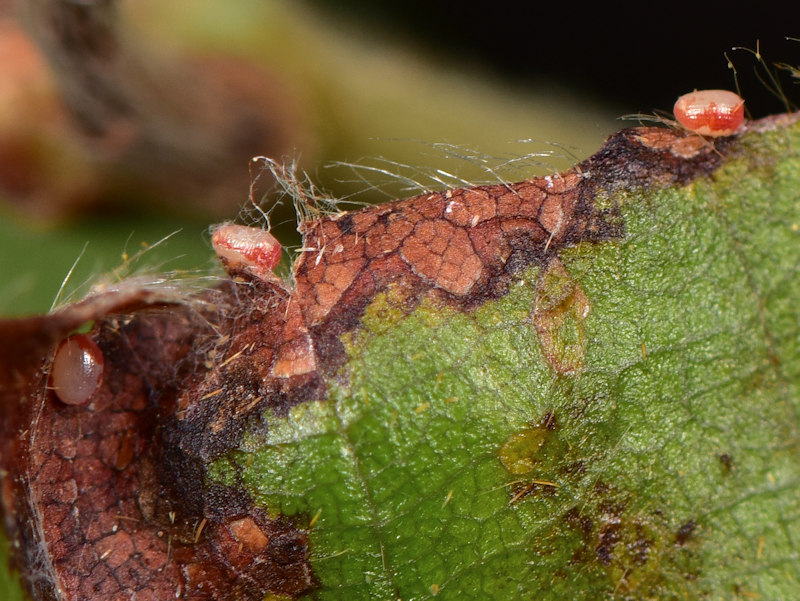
559, 315
134, 460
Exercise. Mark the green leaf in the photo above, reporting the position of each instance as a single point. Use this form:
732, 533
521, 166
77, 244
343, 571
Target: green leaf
620, 424
454, 458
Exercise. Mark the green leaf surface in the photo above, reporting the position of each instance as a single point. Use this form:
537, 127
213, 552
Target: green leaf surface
622, 425
453, 460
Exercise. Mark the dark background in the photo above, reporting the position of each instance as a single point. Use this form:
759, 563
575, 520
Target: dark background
636, 56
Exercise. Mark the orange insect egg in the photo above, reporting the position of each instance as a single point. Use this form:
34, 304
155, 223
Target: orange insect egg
77, 370
244, 248
712, 113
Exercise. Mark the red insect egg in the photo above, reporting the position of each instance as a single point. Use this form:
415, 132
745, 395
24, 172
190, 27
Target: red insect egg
77, 369
247, 248
712, 113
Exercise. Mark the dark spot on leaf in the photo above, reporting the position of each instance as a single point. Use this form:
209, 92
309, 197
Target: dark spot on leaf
581, 523
574, 468
345, 223
685, 532
608, 539
727, 462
